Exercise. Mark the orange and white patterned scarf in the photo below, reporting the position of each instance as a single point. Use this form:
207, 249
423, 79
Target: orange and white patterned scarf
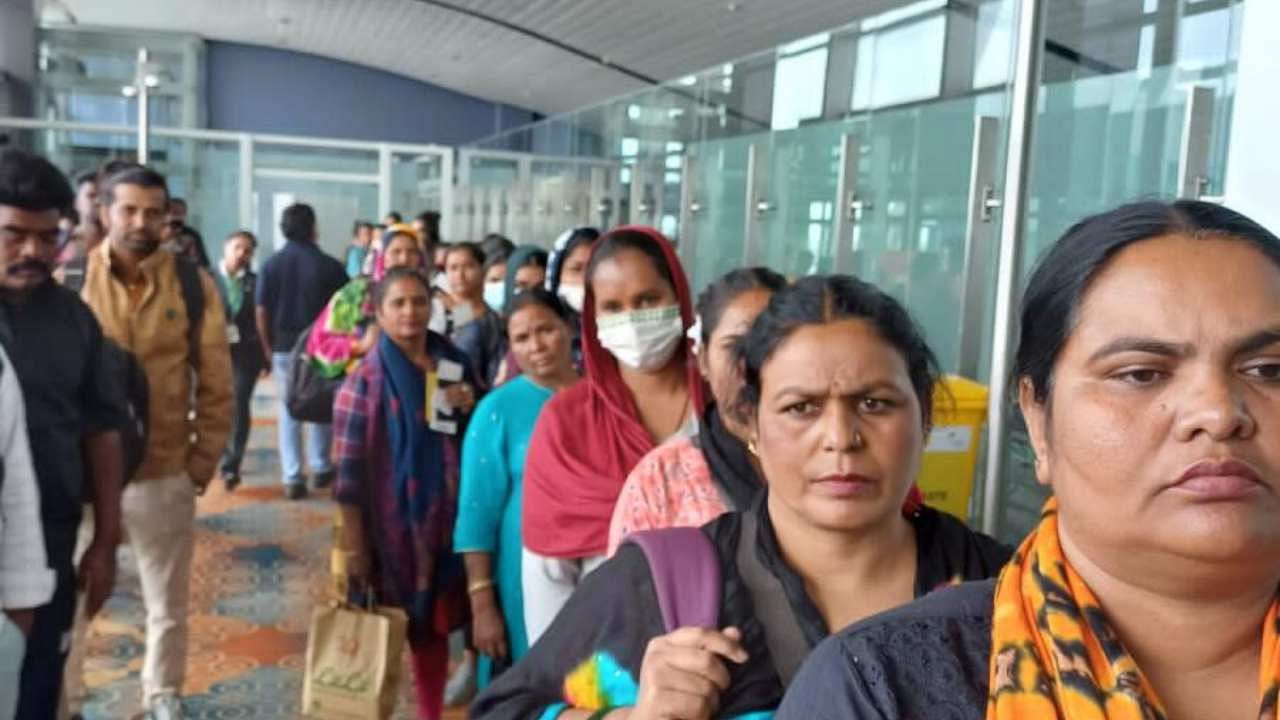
1054, 655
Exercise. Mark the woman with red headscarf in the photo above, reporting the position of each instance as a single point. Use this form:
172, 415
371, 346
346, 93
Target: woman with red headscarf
641, 387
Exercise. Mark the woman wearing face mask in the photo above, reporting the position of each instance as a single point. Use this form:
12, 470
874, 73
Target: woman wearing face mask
493, 456
495, 281
476, 329
398, 478
527, 269
687, 482
567, 268
345, 330
836, 398
642, 387
1151, 392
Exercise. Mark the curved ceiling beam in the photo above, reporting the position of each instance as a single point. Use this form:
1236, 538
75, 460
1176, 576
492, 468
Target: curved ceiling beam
591, 57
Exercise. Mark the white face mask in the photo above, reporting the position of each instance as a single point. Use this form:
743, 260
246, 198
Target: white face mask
644, 340
574, 296
494, 293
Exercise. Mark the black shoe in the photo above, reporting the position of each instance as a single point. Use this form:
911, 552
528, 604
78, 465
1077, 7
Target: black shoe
323, 480
230, 481
295, 491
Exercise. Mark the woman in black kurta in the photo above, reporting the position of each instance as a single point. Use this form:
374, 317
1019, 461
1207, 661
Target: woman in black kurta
839, 458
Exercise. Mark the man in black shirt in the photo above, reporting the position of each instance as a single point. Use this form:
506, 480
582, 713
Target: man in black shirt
75, 406
293, 288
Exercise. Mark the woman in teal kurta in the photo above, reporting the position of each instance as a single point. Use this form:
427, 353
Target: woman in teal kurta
487, 532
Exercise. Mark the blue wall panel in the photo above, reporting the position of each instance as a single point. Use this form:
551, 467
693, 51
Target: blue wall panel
265, 90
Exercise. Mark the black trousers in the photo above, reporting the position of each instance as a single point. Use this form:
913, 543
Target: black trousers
42, 666
246, 365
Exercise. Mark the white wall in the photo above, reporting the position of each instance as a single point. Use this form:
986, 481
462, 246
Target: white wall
1253, 161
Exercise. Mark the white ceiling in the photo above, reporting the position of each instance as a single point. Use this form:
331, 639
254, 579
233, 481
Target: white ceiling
664, 39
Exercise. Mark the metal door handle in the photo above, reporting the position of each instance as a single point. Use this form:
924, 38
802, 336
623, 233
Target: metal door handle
695, 207
858, 207
764, 207
990, 203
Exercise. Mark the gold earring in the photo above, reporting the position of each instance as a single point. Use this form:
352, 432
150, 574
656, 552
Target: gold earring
751, 447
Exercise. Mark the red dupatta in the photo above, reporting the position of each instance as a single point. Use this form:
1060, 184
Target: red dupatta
589, 437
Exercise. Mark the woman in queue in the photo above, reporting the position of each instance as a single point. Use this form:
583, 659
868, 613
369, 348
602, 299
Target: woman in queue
836, 399
1149, 376
567, 267
347, 329
493, 456
688, 482
641, 387
398, 478
526, 269
476, 329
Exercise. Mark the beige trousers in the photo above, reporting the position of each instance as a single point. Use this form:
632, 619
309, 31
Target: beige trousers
159, 524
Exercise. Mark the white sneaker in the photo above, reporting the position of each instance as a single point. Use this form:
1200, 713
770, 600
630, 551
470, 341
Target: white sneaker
166, 707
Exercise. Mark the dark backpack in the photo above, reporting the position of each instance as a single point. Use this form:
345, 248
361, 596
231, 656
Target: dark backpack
137, 391
309, 395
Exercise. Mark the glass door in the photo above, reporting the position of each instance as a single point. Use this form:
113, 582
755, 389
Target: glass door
714, 207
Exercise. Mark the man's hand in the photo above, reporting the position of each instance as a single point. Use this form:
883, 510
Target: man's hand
97, 575
24, 618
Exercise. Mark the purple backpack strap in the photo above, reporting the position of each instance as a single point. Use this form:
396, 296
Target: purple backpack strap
685, 566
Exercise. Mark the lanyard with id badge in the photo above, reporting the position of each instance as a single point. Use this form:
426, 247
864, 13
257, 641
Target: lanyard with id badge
444, 417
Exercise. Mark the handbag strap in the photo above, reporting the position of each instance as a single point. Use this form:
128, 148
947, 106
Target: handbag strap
685, 567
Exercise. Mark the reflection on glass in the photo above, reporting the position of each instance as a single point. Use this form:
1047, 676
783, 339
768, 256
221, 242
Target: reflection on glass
1204, 39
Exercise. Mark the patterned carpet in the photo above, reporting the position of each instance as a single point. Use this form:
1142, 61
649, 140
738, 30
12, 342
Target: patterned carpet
261, 565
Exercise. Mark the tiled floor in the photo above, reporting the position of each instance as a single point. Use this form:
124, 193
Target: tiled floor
261, 565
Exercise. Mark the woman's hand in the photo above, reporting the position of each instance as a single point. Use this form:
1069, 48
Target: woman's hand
461, 396
684, 674
365, 344
357, 567
488, 631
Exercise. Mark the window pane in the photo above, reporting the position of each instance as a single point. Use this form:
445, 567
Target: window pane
798, 87
906, 64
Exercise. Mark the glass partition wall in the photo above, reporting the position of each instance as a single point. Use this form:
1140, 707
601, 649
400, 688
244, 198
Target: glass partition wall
879, 149
233, 181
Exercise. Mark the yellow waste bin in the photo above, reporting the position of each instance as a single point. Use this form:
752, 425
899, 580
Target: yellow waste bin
951, 454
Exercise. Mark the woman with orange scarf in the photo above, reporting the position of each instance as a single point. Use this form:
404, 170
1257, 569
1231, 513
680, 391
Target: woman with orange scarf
1149, 378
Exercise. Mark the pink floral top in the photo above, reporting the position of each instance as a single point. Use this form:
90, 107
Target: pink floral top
670, 487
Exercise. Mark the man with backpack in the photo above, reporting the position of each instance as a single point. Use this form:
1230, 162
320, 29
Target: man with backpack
293, 288
168, 315
74, 409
